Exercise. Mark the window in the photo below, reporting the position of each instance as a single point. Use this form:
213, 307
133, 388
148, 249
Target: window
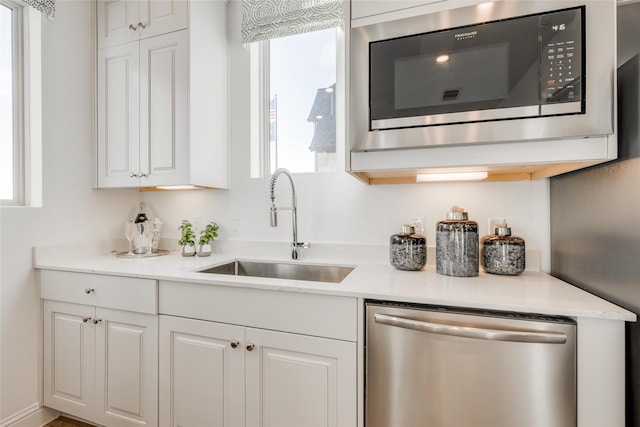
297, 75
21, 104
11, 129
300, 133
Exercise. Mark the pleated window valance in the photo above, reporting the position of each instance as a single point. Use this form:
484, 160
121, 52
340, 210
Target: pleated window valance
48, 7
270, 19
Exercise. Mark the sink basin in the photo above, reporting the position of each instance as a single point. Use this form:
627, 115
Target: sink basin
282, 270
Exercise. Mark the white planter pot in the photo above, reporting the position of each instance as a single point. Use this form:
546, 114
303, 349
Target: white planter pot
188, 250
205, 250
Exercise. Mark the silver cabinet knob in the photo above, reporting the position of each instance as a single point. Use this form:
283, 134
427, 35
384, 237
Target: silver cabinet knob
133, 27
141, 25
235, 344
89, 291
85, 319
250, 347
133, 175
96, 321
143, 175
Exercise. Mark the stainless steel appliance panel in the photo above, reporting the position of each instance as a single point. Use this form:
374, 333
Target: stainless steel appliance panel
367, 133
436, 367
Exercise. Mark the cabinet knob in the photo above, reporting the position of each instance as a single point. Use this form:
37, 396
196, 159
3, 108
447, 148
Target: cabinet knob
133, 27
89, 291
143, 175
96, 321
133, 175
141, 25
85, 319
235, 344
250, 347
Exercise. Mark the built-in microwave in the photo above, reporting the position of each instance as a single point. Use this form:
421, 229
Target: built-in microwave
492, 72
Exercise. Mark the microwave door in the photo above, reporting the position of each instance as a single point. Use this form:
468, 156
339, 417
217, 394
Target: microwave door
483, 72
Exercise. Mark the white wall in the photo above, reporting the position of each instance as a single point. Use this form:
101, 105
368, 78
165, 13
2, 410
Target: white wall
333, 208
71, 212
337, 208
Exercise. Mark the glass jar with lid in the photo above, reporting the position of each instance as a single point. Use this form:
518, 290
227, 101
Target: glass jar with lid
457, 245
503, 253
408, 250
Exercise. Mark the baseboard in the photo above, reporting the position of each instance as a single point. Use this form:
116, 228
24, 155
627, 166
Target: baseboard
32, 416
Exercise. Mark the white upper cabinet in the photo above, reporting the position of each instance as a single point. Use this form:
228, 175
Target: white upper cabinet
122, 21
162, 98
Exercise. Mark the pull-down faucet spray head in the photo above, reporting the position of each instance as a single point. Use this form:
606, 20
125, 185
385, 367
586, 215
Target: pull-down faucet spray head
274, 215
272, 186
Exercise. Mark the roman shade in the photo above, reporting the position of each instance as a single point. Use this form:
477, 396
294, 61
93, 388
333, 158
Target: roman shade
48, 7
270, 19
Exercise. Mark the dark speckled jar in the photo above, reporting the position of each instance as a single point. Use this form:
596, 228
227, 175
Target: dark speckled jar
457, 246
407, 250
503, 253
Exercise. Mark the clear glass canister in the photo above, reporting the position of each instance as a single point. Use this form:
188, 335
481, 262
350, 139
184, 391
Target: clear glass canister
408, 250
503, 253
457, 245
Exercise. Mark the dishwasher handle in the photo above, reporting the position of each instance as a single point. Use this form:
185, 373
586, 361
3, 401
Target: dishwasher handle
544, 337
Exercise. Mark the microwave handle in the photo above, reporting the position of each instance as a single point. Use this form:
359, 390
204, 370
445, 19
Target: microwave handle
470, 332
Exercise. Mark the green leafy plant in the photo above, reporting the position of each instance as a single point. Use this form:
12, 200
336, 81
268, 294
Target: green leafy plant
188, 237
209, 233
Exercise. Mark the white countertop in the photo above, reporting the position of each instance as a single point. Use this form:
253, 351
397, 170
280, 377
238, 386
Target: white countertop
530, 292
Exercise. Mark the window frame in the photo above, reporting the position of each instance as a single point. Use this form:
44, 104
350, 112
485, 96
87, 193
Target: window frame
18, 78
259, 106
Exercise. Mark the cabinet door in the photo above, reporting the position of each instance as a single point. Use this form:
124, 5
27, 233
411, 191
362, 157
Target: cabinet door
163, 110
126, 368
299, 380
117, 22
202, 368
69, 358
123, 21
118, 116
162, 16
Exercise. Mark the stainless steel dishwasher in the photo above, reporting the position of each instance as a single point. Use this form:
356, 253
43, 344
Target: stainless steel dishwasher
439, 367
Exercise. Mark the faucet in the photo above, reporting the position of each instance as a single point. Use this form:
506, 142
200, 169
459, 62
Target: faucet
295, 245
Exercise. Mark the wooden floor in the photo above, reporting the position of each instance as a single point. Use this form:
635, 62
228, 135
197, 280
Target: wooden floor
67, 422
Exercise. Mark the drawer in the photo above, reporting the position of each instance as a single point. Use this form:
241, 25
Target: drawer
310, 314
122, 293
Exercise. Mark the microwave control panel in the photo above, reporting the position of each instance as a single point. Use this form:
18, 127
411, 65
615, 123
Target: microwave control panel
561, 56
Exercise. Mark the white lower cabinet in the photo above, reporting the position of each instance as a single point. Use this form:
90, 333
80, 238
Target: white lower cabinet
215, 374
100, 363
299, 380
201, 373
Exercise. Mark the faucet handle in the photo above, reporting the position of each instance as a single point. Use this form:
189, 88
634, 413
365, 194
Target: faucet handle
296, 245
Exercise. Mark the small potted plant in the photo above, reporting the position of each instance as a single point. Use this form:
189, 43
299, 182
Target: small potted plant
207, 235
187, 239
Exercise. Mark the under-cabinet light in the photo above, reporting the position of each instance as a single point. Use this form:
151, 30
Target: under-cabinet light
451, 176
178, 187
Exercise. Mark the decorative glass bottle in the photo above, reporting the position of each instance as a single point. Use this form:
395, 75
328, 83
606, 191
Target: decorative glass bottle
503, 253
140, 242
408, 250
457, 245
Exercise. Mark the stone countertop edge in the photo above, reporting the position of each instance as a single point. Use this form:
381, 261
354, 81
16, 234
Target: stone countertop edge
530, 292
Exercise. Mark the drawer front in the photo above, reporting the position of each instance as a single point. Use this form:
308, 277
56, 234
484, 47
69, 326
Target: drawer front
310, 314
122, 293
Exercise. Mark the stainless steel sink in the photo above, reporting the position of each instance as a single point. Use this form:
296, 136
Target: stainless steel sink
281, 270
